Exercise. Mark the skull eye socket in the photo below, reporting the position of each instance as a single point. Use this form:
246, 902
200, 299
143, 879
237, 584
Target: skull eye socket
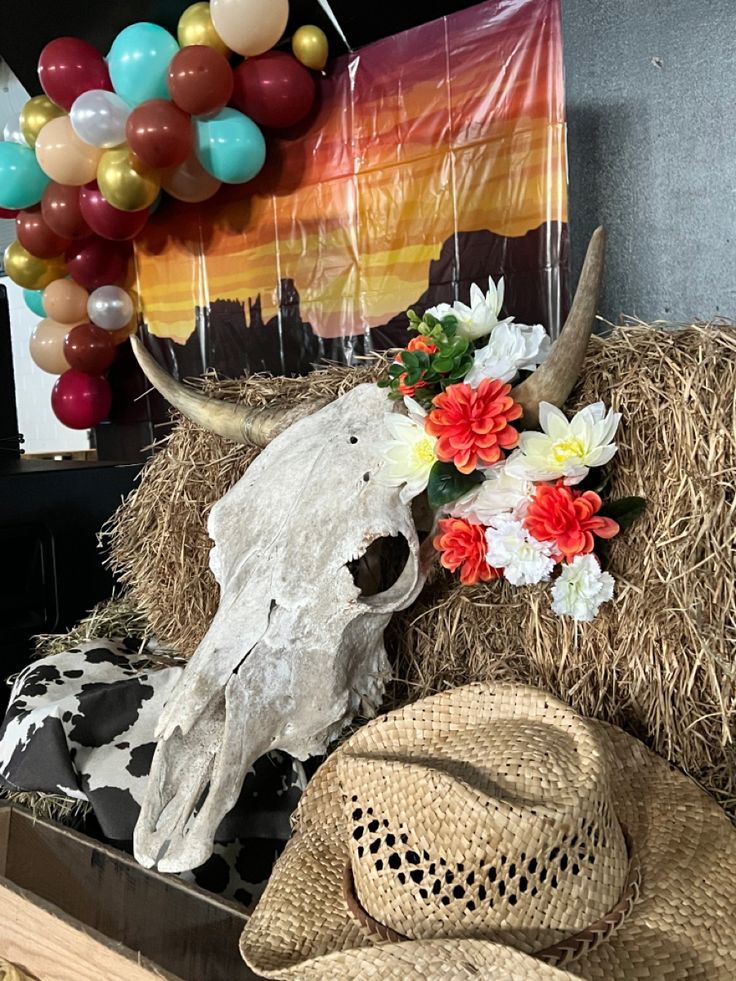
382, 565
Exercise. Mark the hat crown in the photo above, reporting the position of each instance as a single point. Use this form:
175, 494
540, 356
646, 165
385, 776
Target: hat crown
470, 826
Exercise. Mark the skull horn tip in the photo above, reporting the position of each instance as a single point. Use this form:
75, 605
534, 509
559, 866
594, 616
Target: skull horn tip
556, 378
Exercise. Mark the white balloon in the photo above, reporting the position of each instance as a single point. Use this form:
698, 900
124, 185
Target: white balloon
12, 132
110, 307
99, 117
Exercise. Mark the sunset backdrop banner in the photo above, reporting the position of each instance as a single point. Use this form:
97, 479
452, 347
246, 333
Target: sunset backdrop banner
435, 158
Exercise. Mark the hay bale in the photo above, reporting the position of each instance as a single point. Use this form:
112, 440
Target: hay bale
659, 661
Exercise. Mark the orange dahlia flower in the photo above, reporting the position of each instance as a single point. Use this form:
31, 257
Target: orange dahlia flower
421, 343
463, 546
472, 424
567, 517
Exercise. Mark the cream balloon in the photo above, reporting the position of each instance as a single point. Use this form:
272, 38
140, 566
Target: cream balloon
250, 27
47, 346
63, 156
190, 182
99, 118
65, 301
110, 307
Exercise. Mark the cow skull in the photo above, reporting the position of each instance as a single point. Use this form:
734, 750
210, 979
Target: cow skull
295, 650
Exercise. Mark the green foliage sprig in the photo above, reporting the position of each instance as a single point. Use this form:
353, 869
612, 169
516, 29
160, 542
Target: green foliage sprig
423, 374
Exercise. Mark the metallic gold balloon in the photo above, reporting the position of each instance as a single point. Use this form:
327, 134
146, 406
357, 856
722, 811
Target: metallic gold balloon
35, 114
310, 46
28, 271
196, 27
124, 181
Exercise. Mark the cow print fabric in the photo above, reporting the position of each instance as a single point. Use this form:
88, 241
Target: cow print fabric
81, 724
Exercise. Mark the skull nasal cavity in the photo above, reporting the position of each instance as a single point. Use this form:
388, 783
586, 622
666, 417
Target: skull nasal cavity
381, 566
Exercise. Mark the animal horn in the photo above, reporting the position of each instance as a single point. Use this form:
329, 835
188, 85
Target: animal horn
239, 423
555, 379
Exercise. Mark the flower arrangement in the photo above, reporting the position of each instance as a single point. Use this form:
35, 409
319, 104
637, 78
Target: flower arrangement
520, 506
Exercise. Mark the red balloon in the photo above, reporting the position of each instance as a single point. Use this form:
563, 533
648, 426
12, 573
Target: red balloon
160, 133
69, 66
81, 401
8, 213
89, 348
200, 79
61, 211
274, 89
109, 222
36, 237
96, 262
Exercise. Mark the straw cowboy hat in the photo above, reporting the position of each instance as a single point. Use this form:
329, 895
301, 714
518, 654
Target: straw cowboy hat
493, 832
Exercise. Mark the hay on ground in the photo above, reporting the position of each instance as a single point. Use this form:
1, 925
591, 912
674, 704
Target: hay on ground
659, 661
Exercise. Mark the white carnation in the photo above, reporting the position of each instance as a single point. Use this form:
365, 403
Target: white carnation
581, 588
500, 493
510, 348
523, 559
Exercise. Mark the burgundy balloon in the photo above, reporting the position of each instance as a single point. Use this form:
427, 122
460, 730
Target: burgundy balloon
160, 134
61, 211
79, 400
200, 79
69, 66
109, 222
274, 89
89, 348
36, 237
96, 262
8, 213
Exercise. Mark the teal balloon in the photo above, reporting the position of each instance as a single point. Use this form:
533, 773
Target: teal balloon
34, 301
230, 146
22, 182
139, 61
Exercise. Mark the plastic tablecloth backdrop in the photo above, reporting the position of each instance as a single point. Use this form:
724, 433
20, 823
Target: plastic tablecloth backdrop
433, 159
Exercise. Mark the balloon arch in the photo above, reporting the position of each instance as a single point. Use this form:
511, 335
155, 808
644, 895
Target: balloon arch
85, 165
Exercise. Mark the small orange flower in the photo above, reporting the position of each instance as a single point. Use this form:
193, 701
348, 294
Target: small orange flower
463, 546
567, 517
472, 425
409, 389
421, 343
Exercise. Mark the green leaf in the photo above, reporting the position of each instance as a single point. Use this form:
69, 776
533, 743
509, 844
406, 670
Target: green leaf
447, 484
443, 365
596, 481
409, 360
413, 318
625, 511
430, 320
457, 347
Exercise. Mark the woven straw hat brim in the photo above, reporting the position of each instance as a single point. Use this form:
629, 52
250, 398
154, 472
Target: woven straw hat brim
682, 927
431, 960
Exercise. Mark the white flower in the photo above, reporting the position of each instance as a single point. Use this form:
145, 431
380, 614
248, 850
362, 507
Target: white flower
409, 455
510, 348
523, 559
499, 493
481, 316
440, 311
566, 448
581, 588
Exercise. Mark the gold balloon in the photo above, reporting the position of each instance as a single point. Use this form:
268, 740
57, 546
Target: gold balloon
124, 181
196, 27
28, 271
310, 46
35, 114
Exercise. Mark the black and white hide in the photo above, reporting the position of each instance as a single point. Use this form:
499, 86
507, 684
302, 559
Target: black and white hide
81, 724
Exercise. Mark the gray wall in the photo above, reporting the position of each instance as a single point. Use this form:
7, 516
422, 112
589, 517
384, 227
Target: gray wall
651, 104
